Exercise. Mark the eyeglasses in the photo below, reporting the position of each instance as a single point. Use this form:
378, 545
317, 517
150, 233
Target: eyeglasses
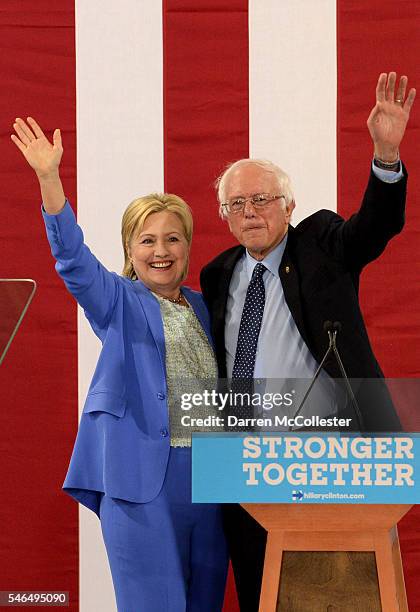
258, 201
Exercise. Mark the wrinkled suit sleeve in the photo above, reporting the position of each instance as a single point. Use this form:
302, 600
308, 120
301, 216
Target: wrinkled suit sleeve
364, 236
93, 286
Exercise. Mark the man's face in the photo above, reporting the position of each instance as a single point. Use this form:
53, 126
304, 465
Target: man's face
258, 231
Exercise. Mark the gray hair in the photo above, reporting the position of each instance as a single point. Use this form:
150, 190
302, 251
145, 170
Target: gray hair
282, 178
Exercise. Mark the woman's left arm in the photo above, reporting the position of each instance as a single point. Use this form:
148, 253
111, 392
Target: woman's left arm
93, 286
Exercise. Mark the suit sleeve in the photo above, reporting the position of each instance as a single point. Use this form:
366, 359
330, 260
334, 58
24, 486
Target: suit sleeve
93, 286
364, 236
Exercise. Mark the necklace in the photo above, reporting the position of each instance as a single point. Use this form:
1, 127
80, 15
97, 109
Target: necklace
177, 300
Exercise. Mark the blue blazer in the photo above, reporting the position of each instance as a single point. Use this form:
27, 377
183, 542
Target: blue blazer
123, 441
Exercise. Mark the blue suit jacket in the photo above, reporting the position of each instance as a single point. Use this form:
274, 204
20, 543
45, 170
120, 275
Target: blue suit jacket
123, 441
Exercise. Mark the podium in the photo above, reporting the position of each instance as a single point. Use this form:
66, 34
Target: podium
15, 296
318, 541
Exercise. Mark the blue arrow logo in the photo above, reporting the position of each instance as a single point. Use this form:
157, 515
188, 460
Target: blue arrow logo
297, 495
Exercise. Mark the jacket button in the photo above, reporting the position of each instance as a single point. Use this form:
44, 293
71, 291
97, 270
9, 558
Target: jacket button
164, 432
161, 396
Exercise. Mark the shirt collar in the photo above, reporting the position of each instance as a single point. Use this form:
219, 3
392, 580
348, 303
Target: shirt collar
272, 261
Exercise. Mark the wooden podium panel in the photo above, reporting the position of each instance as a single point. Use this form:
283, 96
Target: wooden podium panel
319, 581
338, 528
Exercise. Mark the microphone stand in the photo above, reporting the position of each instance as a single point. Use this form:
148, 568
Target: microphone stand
332, 329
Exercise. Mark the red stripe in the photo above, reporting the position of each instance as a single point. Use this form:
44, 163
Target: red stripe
205, 109
38, 379
378, 36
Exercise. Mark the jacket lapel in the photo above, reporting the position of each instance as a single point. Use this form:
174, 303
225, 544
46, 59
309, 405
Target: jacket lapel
151, 309
219, 303
200, 310
289, 277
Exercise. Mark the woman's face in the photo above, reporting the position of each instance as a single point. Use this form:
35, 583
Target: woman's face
159, 253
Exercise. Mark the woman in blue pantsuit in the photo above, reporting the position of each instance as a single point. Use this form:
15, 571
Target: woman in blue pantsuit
131, 462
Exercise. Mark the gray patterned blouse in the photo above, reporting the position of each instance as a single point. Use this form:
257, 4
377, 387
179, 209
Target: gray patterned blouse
190, 364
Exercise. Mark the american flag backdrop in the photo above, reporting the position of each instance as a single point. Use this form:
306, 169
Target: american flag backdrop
159, 96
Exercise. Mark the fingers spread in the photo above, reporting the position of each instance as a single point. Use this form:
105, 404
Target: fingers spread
401, 90
25, 129
57, 138
20, 132
36, 128
392, 77
18, 143
380, 87
410, 99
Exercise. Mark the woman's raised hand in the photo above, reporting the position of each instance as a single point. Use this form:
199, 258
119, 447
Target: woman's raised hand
44, 158
38, 151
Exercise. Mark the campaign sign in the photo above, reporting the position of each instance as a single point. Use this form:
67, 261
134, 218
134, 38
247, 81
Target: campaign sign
306, 468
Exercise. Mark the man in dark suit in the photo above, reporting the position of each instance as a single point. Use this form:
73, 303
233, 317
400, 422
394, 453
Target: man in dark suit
270, 297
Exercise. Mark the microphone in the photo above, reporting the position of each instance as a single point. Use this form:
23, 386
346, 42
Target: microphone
332, 329
328, 325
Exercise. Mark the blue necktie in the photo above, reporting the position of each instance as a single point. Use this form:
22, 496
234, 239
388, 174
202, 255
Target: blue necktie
246, 348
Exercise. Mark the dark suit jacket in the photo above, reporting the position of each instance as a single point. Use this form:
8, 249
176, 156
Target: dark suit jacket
319, 272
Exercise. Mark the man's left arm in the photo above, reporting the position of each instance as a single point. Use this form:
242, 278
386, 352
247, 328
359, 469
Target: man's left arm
364, 236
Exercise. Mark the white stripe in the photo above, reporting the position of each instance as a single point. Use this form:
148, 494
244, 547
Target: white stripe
293, 86
119, 75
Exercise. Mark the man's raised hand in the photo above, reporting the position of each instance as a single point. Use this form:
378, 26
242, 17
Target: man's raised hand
388, 119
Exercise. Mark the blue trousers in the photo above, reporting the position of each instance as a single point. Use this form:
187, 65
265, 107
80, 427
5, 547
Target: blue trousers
168, 555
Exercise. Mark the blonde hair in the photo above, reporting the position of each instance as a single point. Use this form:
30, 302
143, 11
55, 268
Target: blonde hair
283, 180
139, 210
